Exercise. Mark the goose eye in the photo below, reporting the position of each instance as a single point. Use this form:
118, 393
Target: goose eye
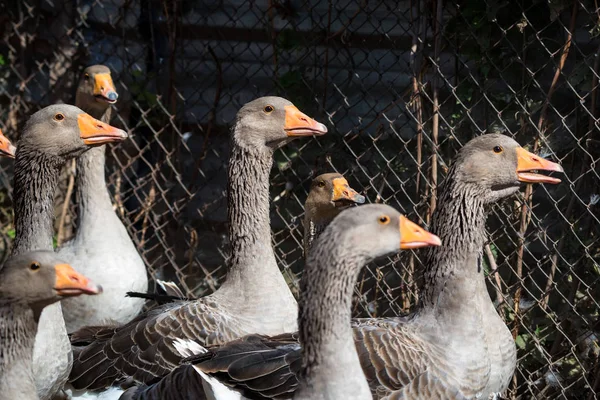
321, 184
269, 109
59, 117
498, 149
34, 266
384, 220
86, 77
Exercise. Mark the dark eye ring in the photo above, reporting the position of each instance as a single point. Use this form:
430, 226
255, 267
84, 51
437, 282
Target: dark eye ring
384, 219
321, 184
498, 149
34, 266
269, 109
59, 117
86, 77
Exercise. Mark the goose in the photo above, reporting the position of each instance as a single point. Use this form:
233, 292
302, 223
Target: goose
330, 365
329, 195
51, 137
28, 283
253, 298
455, 346
101, 248
6, 147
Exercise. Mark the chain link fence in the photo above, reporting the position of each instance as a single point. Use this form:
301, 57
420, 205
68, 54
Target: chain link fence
401, 86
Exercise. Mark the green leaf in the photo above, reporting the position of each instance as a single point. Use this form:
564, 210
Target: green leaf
520, 342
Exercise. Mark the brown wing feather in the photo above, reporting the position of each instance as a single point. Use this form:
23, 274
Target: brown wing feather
185, 379
425, 387
143, 349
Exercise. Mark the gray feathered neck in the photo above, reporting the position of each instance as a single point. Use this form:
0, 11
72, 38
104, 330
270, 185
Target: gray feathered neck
35, 181
459, 221
92, 193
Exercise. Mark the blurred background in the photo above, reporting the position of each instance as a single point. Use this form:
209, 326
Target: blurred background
401, 85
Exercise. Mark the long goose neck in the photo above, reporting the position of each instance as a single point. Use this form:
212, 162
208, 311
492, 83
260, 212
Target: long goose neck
325, 311
92, 194
35, 181
17, 337
454, 268
252, 258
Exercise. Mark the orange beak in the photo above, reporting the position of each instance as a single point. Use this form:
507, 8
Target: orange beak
104, 89
299, 124
342, 191
6, 147
95, 133
412, 236
70, 283
527, 161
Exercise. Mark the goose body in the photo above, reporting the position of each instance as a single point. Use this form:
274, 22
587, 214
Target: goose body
101, 248
28, 283
455, 346
253, 298
50, 138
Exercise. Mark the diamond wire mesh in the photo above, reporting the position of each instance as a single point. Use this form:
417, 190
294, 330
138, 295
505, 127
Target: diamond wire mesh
401, 85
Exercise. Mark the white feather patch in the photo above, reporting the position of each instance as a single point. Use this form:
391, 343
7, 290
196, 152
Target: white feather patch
112, 393
217, 390
188, 348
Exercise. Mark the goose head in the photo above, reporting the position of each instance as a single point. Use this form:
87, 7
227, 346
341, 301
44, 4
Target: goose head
272, 122
65, 131
378, 229
6, 147
329, 195
96, 89
498, 165
40, 278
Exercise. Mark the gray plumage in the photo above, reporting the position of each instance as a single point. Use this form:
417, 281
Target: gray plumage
330, 364
51, 137
27, 285
254, 297
101, 248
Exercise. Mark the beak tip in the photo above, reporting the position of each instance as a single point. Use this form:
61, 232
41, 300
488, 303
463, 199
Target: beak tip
322, 128
97, 289
359, 199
